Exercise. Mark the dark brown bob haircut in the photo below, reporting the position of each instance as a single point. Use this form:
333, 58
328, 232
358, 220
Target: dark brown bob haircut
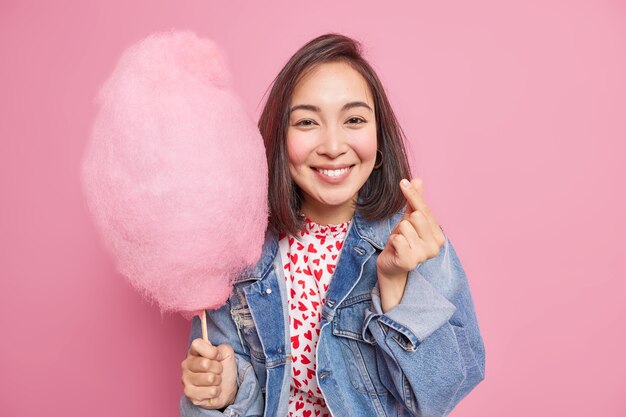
380, 197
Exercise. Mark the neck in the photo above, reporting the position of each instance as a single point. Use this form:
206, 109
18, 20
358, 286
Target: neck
325, 215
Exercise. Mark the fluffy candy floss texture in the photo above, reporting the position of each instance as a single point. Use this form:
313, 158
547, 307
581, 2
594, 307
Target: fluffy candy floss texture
175, 173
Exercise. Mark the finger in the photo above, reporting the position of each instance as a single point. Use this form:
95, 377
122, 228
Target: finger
200, 364
202, 348
426, 232
409, 207
422, 226
405, 216
415, 194
419, 249
409, 231
418, 185
208, 404
411, 191
202, 396
225, 351
440, 237
438, 233
402, 248
204, 379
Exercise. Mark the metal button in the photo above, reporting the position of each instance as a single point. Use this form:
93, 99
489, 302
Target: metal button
268, 291
279, 350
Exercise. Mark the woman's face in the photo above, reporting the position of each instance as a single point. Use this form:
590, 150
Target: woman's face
331, 140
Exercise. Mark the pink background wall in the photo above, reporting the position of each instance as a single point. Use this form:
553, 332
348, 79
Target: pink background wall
517, 118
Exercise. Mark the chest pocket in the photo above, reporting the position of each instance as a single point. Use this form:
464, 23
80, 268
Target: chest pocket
359, 355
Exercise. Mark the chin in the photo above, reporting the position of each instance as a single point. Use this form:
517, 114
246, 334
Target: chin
336, 201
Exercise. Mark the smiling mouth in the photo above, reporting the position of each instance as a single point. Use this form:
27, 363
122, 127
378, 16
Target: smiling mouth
333, 172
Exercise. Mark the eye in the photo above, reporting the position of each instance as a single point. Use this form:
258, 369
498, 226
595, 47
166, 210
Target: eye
305, 122
356, 120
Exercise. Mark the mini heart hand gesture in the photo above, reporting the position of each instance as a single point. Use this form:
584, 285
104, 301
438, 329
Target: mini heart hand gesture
415, 239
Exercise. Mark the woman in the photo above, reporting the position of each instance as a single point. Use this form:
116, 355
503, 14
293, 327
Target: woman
359, 305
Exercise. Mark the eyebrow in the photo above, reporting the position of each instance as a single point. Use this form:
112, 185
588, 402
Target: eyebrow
316, 109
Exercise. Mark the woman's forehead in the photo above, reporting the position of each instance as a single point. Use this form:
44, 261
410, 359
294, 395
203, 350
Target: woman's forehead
331, 85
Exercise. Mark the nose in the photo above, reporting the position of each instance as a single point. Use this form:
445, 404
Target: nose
333, 143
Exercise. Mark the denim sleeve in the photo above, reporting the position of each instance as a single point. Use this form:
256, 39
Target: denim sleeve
249, 401
429, 348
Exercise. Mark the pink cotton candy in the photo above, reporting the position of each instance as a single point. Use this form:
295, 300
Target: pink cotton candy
175, 173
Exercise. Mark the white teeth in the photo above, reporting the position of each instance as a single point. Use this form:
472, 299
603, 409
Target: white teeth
333, 172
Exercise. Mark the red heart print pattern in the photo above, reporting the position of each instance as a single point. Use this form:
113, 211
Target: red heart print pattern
311, 264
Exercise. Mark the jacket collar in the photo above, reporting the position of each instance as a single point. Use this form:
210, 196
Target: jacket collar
376, 232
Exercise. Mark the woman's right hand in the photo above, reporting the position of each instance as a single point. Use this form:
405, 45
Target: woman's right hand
210, 375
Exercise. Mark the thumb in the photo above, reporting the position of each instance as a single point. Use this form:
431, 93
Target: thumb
225, 351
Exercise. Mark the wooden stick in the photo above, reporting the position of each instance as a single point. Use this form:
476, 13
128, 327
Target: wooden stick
205, 334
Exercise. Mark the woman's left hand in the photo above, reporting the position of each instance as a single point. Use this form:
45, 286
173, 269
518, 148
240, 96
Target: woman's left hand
415, 239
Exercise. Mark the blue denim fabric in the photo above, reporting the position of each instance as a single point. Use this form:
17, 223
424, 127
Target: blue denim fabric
418, 359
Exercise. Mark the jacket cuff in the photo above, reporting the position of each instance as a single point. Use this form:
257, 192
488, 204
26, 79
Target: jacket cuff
248, 402
421, 311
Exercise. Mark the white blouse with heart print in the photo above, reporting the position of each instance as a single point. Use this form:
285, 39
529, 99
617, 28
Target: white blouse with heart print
309, 263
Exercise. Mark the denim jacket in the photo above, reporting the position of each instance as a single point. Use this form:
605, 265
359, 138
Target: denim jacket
420, 358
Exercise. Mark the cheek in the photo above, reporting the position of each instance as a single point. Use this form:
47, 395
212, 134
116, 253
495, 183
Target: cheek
296, 151
364, 144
